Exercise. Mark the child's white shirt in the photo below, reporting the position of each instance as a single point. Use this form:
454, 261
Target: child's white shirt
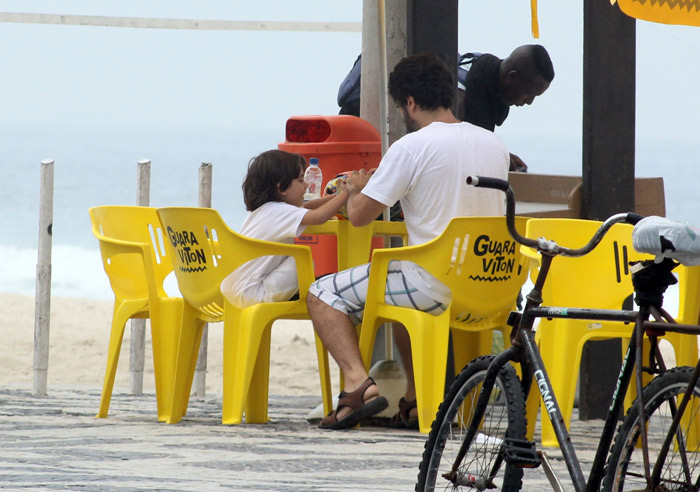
268, 278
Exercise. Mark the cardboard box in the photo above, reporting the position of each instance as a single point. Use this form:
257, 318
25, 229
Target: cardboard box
550, 195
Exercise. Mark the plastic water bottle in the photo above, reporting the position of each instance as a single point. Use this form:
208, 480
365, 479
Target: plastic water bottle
313, 177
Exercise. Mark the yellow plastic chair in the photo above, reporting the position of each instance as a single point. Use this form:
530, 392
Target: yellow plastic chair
134, 259
599, 280
688, 309
354, 243
482, 265
689, 313
204, 251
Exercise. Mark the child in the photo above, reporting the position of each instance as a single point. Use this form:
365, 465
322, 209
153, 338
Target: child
273, 192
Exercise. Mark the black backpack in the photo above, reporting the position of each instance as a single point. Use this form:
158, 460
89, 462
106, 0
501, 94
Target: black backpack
349, 90
465, 63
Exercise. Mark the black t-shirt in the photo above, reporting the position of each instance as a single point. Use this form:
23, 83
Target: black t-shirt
482, 105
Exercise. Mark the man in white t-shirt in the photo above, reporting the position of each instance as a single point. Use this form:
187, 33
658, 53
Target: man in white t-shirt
426, 170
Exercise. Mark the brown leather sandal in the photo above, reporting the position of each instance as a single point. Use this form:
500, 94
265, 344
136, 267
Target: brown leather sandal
402, 419
360, 409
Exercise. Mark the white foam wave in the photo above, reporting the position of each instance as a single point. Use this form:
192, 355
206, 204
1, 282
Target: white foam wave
75, 272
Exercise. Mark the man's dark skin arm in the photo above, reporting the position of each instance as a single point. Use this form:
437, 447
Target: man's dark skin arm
517, 164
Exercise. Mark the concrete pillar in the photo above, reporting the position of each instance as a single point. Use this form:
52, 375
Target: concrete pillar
395, 20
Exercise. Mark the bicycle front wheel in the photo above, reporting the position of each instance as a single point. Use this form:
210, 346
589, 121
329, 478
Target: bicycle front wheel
681, 468
483, 466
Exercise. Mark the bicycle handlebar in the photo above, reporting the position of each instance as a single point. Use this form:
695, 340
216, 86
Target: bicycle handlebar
542, 244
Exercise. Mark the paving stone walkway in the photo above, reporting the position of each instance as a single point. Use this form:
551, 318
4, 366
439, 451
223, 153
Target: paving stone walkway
55, 443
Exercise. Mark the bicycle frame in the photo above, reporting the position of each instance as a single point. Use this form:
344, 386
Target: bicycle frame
533, 367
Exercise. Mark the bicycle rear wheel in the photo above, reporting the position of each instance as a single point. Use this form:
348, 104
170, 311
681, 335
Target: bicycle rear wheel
483, 466
681, 468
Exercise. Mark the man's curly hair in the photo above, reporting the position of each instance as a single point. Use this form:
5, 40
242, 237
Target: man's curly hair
424, 77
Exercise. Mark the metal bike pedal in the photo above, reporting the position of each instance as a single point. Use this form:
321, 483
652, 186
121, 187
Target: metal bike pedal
521, 453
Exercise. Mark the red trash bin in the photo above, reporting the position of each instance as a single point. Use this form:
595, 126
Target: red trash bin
341, 143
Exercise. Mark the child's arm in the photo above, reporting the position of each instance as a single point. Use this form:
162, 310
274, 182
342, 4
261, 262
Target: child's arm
317, 202
322, 209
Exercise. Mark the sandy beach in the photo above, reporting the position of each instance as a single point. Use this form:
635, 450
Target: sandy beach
55, 441
79, 335
78, 349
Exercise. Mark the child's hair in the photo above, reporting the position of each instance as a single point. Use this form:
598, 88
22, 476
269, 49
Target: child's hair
265, 172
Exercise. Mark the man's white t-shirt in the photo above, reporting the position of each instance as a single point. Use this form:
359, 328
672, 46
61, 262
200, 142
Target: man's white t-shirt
268, 278
427, 171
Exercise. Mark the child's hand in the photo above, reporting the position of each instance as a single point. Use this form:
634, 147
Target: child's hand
357, 180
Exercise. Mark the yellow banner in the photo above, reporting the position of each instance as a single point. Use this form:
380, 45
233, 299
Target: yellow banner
684, 12
535, 22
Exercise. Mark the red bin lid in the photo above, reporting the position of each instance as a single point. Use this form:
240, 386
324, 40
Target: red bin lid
329, 129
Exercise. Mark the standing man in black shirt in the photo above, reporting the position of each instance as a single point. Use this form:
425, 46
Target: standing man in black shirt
493, 85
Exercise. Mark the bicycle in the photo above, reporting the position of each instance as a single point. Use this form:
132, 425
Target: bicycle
478, 438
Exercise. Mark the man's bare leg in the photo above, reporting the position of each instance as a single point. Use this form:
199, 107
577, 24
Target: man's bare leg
338, 335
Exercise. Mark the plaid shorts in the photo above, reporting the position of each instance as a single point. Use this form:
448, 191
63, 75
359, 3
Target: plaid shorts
346, 291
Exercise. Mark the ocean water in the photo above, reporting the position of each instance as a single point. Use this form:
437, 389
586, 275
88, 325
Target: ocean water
98, 165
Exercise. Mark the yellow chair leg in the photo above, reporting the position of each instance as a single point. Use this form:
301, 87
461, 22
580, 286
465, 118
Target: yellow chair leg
468, 345
562, 367
165, 332
115, 344
324, 375
532, 407
238, 377
429, 353
230, 362
259, 386
189, 340
691, 412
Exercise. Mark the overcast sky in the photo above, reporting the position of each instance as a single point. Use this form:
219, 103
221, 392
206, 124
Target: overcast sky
232, 79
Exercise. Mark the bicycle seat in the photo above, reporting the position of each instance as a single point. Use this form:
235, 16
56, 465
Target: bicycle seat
667, 238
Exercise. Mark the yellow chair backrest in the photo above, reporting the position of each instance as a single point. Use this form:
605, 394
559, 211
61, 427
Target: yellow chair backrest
689, 294
601, 279
486, 271
481, 264
205, 250
115, 226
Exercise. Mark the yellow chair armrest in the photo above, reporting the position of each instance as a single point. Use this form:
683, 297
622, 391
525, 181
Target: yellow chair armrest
118, 246
329, 227
112, 247
380, 266
389, 228
301, 255
305, 268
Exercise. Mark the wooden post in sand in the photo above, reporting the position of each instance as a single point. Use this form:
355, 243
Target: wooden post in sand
137, 347
42, 298
199, 385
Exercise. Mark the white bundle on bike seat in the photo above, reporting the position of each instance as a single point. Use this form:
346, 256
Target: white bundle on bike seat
667, 239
